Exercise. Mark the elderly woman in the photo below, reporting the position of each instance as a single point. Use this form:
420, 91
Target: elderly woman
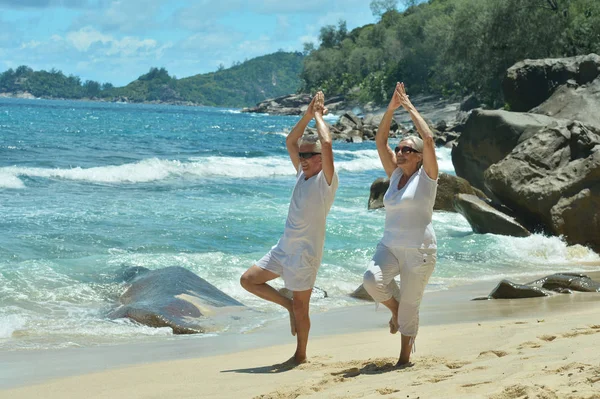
408, 246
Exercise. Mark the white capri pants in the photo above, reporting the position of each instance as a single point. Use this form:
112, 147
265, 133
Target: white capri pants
414, 266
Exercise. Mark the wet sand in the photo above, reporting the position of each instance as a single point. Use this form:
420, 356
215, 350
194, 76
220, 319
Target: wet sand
506, 348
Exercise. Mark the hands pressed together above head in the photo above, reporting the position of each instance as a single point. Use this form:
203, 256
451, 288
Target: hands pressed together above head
399, 98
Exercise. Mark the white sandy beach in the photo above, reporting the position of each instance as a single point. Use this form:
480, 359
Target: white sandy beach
528, 348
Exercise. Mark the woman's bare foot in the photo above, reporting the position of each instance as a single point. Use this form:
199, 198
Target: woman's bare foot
393, 325
403, 364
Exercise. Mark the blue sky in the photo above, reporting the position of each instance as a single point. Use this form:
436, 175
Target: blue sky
118, 40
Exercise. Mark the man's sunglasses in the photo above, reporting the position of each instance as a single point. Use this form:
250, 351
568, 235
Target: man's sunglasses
307, 155
405, 150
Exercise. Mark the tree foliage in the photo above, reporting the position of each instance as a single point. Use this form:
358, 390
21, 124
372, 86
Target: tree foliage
243, 84
450, 47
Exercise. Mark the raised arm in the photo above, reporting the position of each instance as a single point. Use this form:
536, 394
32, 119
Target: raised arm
386, 154
324, 138
291, 141
430, 164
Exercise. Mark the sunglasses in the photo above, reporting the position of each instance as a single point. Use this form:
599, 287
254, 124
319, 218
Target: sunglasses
308, 155
405, 150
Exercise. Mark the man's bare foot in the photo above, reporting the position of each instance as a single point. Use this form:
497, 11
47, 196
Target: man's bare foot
393, 325
299, 359
292, 323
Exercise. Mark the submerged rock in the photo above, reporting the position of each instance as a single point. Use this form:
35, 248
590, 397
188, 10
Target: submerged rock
567, 281
509, 290
173, 297
564, 283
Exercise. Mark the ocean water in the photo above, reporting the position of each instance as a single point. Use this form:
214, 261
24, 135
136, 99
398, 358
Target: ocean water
88, 189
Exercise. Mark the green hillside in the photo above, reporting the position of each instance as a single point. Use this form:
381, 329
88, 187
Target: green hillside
241, 85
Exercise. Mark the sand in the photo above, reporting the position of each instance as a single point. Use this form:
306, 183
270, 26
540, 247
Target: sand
530, 348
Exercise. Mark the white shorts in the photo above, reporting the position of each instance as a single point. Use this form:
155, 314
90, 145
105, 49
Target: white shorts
414, 266
299, 271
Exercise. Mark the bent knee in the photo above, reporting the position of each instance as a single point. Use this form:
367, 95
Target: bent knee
246, 280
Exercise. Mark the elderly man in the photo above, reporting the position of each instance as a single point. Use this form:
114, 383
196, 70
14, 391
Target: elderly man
297, 255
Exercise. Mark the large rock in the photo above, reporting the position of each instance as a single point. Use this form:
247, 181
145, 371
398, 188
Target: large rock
509, 290
448, 187
292, 104
574, 102
173, 297
489, 136
551, 181
530, 82
377, 191
361, 293
485, 219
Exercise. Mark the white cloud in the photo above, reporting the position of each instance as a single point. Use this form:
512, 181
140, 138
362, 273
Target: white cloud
125, 16
85, 37
30, 44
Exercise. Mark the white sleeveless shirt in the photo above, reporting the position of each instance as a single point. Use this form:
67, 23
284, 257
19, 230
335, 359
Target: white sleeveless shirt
305, 225
408, 211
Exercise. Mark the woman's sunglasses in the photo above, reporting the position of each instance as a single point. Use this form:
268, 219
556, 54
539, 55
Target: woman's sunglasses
405, 150
307, 155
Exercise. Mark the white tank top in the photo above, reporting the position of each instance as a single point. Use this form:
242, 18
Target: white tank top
305, 225
408, 211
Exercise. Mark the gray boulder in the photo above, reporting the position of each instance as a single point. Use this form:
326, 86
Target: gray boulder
574, 102
485, 219
551, 181
448, 187
555, 283
509, 290
529, 83
489, 136
377, 191
567, 281
173, 297
292, 104
361, 293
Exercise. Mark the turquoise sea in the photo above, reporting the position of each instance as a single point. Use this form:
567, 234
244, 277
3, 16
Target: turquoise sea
88, 189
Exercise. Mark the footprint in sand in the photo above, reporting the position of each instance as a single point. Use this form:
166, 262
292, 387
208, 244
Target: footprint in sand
387, 391
456, 365
523, 391
547, 338
474, 384
492, 354
529, 344
438, 378
578, 332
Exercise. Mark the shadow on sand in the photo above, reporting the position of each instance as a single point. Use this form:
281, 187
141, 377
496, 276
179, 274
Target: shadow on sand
275, 368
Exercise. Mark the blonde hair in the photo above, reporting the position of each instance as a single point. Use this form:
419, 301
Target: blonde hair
418, 145
311, 139
417, 141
